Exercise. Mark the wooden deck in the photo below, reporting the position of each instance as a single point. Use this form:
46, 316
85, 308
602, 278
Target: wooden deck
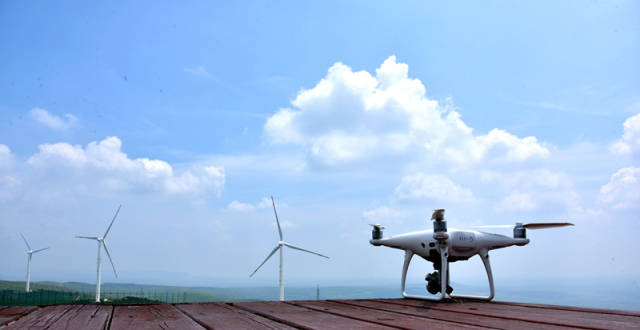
322, 314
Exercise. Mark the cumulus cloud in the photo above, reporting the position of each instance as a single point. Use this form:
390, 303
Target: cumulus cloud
6, 158
538, 179
623, 190
50, 120
104, 163
630, 141
9, 184
236, 206
517, 202
432, 186
532, 190
382, 214
350, 116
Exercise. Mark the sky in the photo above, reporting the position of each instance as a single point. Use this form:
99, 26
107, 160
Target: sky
191, 115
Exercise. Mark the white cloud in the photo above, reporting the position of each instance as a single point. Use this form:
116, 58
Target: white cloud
9, 184
432, 186
383, 214
526, 180
350, 116
517, 202
236, 206
630, 141
264, 203
104, 162
50, 120
532, 190
623, 190
6, 158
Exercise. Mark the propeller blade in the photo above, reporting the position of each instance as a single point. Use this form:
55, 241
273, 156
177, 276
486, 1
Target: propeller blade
375, 225
542, 225
87, 237
301, 249
25, 242
276, 213
39, 250
495, 226
109, 255
531, 225
265, 260
112, 220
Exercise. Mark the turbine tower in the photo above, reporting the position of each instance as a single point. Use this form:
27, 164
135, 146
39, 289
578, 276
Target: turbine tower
102, 243
30, 252
280, 246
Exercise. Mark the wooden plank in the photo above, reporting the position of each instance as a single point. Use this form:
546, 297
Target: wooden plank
572, 308
84, 317
12, 313
224, 316
480, 320
544, 316
42, 318
303, 317
150, 317
391, 319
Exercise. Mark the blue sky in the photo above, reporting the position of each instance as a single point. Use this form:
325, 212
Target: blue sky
348, 113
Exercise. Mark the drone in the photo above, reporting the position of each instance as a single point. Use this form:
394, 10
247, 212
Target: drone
441, 247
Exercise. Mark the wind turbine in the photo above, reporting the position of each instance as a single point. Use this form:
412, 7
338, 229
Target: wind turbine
30, 252
102, 243
280, 246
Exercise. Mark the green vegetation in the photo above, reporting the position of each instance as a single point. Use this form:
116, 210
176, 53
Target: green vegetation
50, 293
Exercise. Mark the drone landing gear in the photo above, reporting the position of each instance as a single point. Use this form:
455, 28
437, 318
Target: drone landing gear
442, 278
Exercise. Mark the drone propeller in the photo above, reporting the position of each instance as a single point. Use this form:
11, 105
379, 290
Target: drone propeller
520, 229
531, 225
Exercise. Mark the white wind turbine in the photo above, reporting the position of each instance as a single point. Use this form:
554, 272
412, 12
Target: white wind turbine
280, 246
30, 252
102, 243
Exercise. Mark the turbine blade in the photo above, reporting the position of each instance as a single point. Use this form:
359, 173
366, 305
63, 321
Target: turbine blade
542, 225
301, 249
40, 250
265, 260
112, 220
109, 255
276, 213
25, 242
87, 237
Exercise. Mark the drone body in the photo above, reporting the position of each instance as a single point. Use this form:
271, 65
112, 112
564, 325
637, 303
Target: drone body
441, 247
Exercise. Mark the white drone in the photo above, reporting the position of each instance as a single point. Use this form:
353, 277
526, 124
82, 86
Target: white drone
441, 247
